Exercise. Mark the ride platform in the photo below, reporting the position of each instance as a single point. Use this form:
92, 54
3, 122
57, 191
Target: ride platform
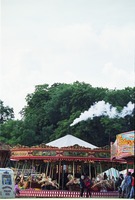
33, 193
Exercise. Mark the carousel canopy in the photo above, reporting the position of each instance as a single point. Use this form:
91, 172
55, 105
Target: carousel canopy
70, 140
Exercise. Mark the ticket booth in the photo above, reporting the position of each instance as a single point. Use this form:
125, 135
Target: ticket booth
6, 183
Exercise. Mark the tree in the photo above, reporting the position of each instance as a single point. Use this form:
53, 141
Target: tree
6, 113
10, 132
51, 109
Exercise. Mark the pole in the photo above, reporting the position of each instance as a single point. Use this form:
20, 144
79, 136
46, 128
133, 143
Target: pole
59, 172
63, 175
90, 170
95, 171
100, 168
73, 169
40, 169
47, 168
50, 170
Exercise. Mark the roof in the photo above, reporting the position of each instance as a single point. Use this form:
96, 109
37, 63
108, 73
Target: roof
70, 140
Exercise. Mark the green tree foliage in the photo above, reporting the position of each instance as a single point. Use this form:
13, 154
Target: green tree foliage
11, 131
6, 113
51, 109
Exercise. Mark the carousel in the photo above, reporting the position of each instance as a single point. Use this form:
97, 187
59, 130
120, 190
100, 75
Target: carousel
59, 165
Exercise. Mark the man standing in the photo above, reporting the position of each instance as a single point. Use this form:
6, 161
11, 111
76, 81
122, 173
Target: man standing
132, 191
126, 185
88, 185
82, 185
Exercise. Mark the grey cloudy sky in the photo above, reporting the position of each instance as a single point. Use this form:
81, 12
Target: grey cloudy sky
49, 41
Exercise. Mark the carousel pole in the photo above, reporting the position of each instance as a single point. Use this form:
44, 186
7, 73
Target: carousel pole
50, 170
82, 168
100, 168
59, 169
73, 169
63, 172
47, 169
24, 167
90, 170
95, 171
16, 167
32, 164
110, 173
40, 169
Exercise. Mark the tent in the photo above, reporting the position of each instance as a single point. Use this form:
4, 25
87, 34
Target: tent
70, 140
124, 172
111, 172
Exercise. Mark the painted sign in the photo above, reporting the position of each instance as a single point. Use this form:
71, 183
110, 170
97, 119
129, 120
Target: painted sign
6, 183
123, 146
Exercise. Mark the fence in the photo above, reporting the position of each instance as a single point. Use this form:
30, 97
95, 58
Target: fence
64, 194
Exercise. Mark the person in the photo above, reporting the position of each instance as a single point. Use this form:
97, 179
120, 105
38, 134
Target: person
105, 176
128, 182
118, 184
126, 185
132, 191
16, 188
119, 181
88, 185
82, 185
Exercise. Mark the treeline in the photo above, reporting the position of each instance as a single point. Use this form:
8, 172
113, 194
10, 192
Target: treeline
51, 109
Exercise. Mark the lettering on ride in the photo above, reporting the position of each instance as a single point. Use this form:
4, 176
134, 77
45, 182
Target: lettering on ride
19, 153
43, 153
78, 153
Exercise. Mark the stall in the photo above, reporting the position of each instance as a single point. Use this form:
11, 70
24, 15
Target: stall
123, 148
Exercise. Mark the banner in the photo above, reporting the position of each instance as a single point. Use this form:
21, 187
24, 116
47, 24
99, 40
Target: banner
123, 146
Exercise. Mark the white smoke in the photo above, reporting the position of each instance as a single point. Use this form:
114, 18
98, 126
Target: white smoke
105, 109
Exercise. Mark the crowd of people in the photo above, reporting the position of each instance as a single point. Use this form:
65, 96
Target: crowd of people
123, 184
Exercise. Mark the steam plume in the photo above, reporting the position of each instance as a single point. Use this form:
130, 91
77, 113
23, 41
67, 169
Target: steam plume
105, 109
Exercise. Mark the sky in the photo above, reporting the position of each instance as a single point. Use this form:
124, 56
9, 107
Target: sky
63, 41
